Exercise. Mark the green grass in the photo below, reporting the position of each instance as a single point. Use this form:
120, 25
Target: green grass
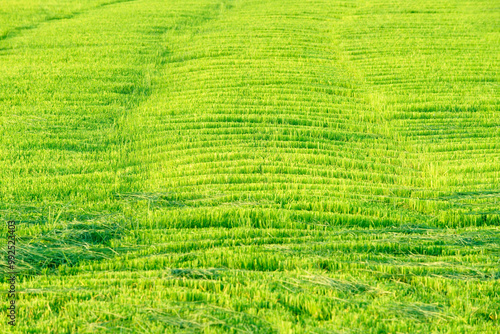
246, 166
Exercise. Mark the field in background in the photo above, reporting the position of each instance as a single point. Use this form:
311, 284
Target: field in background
248, 166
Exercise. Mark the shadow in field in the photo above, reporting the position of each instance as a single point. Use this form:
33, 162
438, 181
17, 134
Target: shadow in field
46, 240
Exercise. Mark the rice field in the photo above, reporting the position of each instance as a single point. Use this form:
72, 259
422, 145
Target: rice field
249, 166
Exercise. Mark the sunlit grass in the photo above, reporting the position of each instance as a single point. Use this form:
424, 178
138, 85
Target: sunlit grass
252, 166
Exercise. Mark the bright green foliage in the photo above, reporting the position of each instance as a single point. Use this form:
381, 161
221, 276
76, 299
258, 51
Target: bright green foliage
247, 166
